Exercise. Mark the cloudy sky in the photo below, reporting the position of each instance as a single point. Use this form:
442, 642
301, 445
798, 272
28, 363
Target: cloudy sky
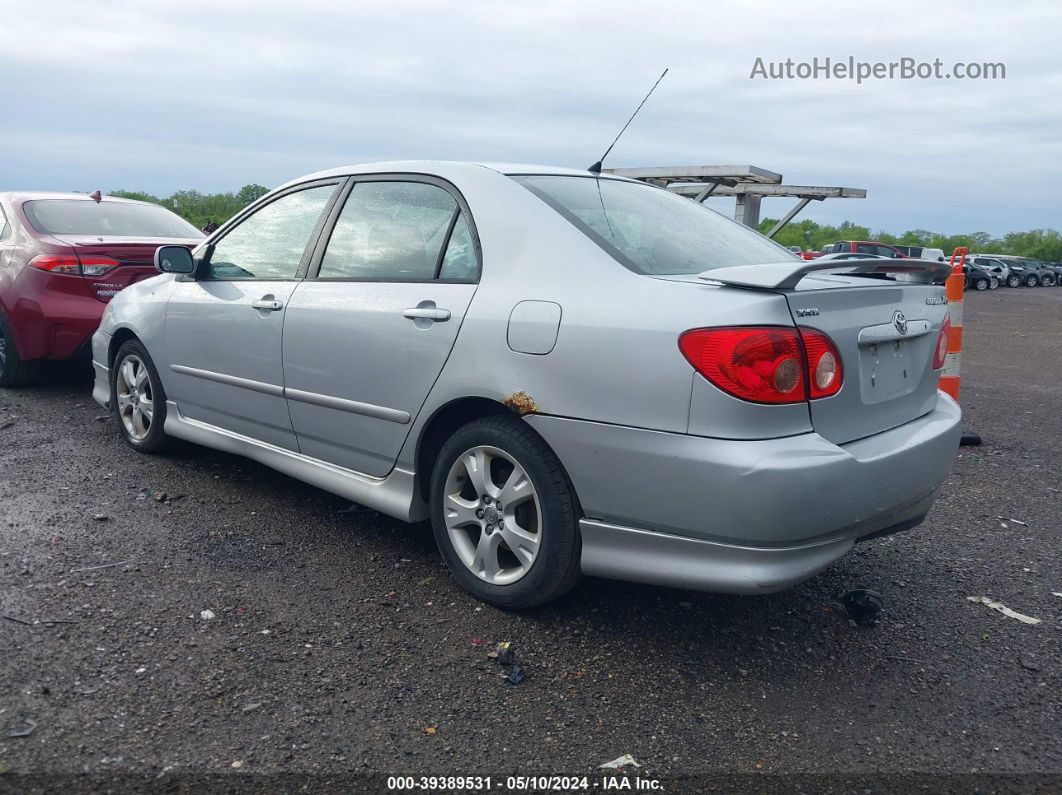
161, 96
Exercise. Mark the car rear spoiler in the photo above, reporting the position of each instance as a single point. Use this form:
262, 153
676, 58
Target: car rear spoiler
786, 275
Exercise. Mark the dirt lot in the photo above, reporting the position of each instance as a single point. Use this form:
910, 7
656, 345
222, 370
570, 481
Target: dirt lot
340, 648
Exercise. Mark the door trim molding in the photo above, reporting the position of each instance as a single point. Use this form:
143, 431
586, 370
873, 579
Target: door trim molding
313, 398
230, 380
351, 406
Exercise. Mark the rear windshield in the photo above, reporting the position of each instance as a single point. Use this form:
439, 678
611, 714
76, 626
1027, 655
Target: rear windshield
650, 230
105, 219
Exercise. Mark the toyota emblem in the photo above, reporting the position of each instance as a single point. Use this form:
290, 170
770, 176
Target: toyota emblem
899, 319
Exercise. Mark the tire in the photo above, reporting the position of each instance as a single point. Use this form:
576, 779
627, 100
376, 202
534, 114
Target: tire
1047, 281
1013, 280
981, 285
539, 520
994, 284
14, 370
1032, 281
142, 429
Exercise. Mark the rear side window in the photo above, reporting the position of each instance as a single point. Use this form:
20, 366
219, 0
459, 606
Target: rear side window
460, 262
106, 219
651, 231
395, 231
271, 242
5, 227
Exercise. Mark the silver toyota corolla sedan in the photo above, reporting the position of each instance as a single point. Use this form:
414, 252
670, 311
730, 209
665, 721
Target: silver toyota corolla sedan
566, 372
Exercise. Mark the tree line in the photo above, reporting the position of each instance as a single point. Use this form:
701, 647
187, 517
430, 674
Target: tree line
1042, 244
201, 209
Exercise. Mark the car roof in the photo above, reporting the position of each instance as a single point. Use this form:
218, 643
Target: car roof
33, 195
445, 168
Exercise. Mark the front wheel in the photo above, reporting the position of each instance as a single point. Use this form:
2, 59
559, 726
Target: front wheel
1048, 281
138, 401
504, 515
994, 284
1032, 281
1013, 281
980, 284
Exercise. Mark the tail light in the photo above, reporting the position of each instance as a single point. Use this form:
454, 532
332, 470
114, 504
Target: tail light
825, 371
97, 266
771, 365
941, 351
763, 365
89, 265
59, 263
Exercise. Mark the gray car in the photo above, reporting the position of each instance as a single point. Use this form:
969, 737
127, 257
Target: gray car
567, 373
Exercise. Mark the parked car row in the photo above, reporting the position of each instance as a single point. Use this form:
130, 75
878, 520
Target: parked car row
982, 271
1019, 271
566, 372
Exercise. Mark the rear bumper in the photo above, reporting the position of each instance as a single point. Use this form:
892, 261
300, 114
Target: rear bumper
744, 516
51, 315
625, 553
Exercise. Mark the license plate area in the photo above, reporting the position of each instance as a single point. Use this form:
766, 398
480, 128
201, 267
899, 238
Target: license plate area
886, 371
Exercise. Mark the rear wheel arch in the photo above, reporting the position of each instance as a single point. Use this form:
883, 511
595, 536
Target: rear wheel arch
452, 416
442, 425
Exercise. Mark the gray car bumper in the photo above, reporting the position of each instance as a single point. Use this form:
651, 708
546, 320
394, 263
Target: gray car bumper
744, 516
101, 387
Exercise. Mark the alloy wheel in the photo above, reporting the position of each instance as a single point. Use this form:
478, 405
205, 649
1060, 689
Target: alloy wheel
492, 514
134, 393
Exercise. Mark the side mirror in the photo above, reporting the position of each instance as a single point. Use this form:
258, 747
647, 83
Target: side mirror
174, 259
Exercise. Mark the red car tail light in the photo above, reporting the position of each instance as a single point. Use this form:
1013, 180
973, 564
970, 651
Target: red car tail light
97, 266
761, 365
941, 351
89, 265
825, 372
57, 263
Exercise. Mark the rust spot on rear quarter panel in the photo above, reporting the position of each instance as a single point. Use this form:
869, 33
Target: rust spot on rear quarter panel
521, 402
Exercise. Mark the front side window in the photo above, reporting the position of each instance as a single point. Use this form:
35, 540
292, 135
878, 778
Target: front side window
651, 231
271, 242
390, 231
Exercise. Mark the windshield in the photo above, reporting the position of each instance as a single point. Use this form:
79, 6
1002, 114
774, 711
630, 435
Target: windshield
106, 219
650, 230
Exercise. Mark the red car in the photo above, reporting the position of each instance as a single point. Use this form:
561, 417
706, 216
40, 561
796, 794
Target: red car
62, 257
863, 247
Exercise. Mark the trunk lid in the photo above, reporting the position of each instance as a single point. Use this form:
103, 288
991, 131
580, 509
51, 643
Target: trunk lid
135, 258
886, 333
885, 325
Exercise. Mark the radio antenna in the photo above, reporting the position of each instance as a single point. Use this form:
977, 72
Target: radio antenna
596, 167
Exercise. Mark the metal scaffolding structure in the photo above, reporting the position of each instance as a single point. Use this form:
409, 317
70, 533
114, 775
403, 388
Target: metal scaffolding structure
749, 185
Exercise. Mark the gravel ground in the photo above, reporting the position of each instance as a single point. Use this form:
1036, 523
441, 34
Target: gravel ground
340, 647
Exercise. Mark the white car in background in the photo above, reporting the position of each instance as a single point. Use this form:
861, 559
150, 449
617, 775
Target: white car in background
920, 252
997, 267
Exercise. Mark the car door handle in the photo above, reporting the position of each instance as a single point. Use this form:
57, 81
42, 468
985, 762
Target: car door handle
427, 313
267, 305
